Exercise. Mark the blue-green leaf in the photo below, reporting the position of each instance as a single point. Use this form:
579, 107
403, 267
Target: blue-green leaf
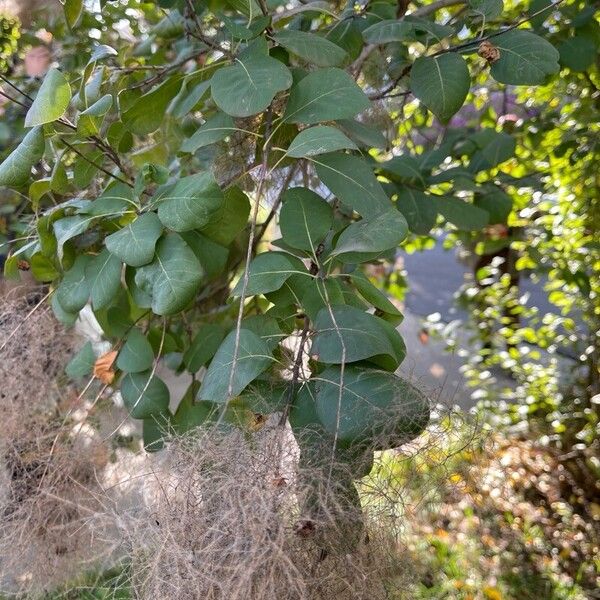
135, 243
190, 203
51, 101
525, 58
173, 278
253, 357
249, 86
325, 95
441, 83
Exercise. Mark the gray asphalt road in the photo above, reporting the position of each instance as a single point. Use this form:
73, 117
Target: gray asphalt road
435, 275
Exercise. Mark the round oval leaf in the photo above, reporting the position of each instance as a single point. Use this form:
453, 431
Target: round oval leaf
305, 219
371, 407
249, 86
144, 394
51, 101
441, 83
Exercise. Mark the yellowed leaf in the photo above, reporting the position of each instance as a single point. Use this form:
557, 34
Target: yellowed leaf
103, 367
492, 593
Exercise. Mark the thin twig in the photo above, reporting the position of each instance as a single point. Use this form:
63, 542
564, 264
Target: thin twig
14, 87
13, 100
384, 93
478, 40
99, 167
246, 275
435, 6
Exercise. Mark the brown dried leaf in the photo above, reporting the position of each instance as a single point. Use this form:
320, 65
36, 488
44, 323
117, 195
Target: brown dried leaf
305, 528
488, 51
103, 367
258, 421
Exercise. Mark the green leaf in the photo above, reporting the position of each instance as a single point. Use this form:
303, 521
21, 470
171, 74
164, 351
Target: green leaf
90, 120
249, 86
319, 294
82, 364
292, 290
147, 113
143, 395
73, 10
68, 228
319, 140
142, 298
154, 431
66, 318
407, 29
265, 396
192, 91
116, 320
89, 90
51, 101
267, 273
191, 414
525, 58
544, 7
371, 236
173, 278
85, 169
487, 9
211, 256
314, 49
364, 135
190, 203
15, 171
136, 355
376, 297
577, 53
135, 243
102, 51
352, 180
345, 334
501, 147
419, 209
366, 406
427, 31
441, 83
305, 219
250, 8
104, 278
45, 232
462, 214
114, 202
346, 34
497, 204
230, 219
206, 342
59, 182
266, 328
170, 27
217, 128
405, 168
37, 189
74, 290
388, 31
240, 32
325, 95
43, 268
253, 357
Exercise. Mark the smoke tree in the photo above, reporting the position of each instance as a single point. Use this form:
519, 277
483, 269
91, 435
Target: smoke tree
225, 181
